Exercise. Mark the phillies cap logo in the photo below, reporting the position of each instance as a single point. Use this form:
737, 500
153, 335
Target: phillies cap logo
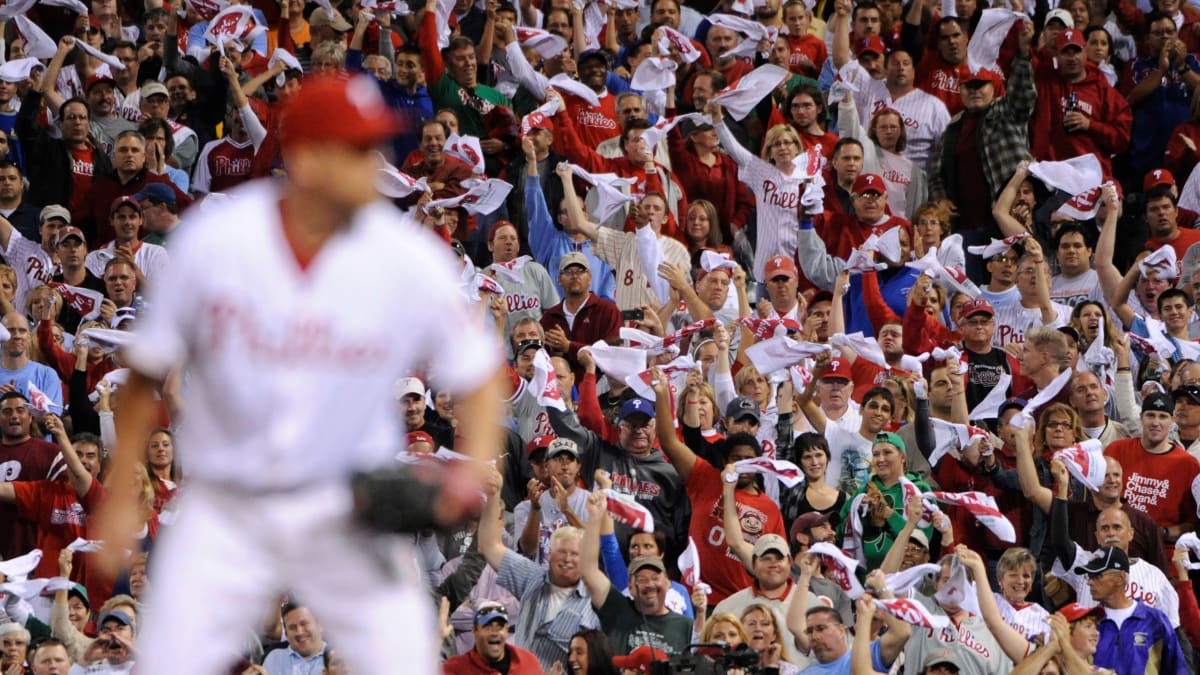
1157, 174
870, 179
637, 403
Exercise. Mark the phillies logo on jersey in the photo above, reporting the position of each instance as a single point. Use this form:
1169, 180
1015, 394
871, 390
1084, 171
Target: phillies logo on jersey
912, 613
785, 200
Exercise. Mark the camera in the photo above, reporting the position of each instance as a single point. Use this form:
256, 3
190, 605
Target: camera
709, 659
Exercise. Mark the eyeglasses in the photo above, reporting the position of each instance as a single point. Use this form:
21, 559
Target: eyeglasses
1061, 424
573, 272
786, 141
869, 196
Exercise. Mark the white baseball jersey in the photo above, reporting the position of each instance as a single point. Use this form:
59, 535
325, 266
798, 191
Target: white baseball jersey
1013, 320
34, 267
1145, 582
151, 259
975, 650
925, 117
291, 369
619, 251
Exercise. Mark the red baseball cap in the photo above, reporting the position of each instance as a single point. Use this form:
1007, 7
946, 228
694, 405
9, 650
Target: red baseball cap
420, 437
540, 443
977, 306
965, 75
640, 659
1069, 38
839, 369
871, 43
868, 182
124, 200
1075, 611
335, 109
1157, 177
98, 79
780, 265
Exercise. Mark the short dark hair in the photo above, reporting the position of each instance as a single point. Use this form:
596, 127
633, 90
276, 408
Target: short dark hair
9, 164
833, 613
865, 5
880, 392
678, 7
1156, 193
962, 23
124, 44
843, 142
460, 42
810, 440
740, 439
1173, 293
1157, 15
660, 540
289, 607
409, 49
155, 14
887, 58
1071, 227
636, 124
12, 394
62, 109
149, 125
431, 121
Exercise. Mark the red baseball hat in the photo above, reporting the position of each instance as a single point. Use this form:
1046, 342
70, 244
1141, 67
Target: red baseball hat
540, 443
329, 108
1075, 611
124, 200
98, 79
780, 265
1069, 38
868, 182
965, 76
640, 659
871, 43
839, 369
420, 437
1157, 177
977, 306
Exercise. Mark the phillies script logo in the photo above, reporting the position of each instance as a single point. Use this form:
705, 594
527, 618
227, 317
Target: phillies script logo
907, 611
785, 200
227, 25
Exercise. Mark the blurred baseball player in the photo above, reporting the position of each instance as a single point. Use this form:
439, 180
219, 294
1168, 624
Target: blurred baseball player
294, 307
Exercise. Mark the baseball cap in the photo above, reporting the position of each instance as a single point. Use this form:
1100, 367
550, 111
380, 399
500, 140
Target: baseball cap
115, 615
941, 656
594, 54
68, 232
55, 211
839, 369
528, 344
1069, 332
870, 43
539, 443
1158, 402
636, 406
741, 407
1069, 38
868, 182
124, 200
780, 265
329, 108
102, 78
806, 522
1074, 611
415, 437
771, 542
489, 612
560, 445
153, 88
643, 561
1014, 402
93, 22
1190, 391
920, 537
1106, 559
320, 17
1062, 15
977, 306
159, 193
890, 437
573, 258
1156, 178
408, 386
80, 591
640, 659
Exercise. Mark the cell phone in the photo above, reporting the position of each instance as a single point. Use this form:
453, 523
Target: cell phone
633, 315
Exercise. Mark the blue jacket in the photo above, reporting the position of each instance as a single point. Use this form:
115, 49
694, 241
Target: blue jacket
1145, 643
411, 108
893, 284
549, 244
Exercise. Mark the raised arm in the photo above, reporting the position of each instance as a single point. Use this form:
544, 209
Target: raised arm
77, 473
1027, 473
54, 99
1002, 210
577, 220
1015, 646
797, 616
729, 520
254, 126
1042, 280
1110, 277
682, 457
861, 662
839, 24
729, 144
597, 583
895, 555
427, 34
491, 545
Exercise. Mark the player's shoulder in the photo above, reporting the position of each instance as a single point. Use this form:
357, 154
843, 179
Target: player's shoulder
222, 218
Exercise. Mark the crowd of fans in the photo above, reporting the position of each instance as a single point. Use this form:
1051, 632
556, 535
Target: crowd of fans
843, 336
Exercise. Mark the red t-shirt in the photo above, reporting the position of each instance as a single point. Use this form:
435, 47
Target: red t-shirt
594, 123
1158, 485
808, 55
866, 375
1181, 244
55, 509
759, 515
34, 459
83, 169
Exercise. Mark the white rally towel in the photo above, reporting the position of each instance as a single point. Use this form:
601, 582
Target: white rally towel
984, 46
513, 269
563, 82
395, 184
959, 589
754, 86
676, 373
112, 61
205, 9
483, 196
235, 22
651, 256
931, 265
39, 403
754, 31
1163, 263
29, 588
1073, 176
989, 407
711, 261
1085, 462
84, 301
608, 190
841, 568
689, 568
1190, 541
10, 10
544, 386
38, 45
1097, 354
625, 510
539, 115
929, 508
788, 473
681, 42
951, 436
467, 149
19, 568
1043, 397
781, 352
654, 73
902, 581
983, 507
862, 261
949, 355
913, 613
546, 44
81, 545
617, 362
997, 246
654, 134
289, 62
479, 283
18, 70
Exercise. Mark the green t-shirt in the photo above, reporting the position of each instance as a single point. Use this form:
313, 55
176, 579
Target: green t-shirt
470, 104
628, 629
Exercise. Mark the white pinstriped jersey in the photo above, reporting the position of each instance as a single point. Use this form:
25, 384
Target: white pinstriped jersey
619, 251
1146, 583
1013, 320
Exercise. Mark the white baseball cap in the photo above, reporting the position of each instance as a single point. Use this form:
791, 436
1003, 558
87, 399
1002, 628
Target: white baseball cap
406, 386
